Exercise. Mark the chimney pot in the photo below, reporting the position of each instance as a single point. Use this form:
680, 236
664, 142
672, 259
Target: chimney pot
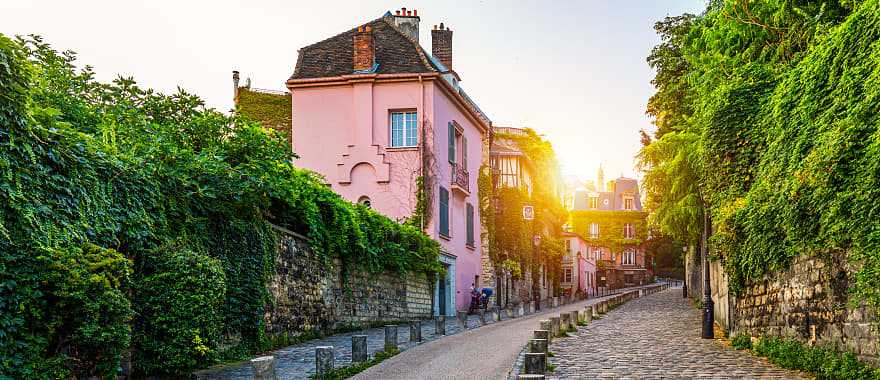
368, 28
415, 12
397, 12
403, 10
441, 26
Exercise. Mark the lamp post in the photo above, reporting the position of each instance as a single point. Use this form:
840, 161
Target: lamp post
708, 305
684, 287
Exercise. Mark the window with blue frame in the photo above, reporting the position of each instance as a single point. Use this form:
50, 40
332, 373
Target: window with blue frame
404, 129
444, 212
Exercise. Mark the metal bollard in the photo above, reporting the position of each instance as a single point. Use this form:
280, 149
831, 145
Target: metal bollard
264, 368
359, 348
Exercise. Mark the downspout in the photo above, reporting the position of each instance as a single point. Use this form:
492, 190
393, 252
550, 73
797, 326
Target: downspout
431, 284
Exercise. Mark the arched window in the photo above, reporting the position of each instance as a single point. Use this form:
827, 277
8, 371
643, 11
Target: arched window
365, 201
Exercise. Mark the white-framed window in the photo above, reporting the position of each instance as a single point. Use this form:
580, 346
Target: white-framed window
404, 129
566, 274
629, 231
629, 203
568, 245
594, 230
598, 253
629, 257
594, 202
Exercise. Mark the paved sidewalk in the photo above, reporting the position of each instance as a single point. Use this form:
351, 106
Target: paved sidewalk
654, 337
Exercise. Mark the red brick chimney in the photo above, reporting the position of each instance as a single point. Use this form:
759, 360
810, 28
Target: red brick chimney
363, 49
441, 45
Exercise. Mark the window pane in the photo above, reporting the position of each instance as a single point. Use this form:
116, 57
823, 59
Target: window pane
412, 134
396, 129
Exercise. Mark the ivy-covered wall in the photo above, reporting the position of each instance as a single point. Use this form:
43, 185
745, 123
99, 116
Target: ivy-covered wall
272, 110
611, 225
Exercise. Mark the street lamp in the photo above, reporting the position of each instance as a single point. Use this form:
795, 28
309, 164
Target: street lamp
708, 305
684, 287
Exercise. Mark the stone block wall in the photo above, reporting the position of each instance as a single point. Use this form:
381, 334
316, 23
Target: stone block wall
809, 301
307, 294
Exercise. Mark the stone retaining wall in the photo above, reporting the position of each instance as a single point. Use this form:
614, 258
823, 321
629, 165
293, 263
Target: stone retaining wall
306, 294
808, 301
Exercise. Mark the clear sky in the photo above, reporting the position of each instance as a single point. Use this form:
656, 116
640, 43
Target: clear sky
574, 71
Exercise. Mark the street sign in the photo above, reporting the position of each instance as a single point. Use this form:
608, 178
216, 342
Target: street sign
528, 212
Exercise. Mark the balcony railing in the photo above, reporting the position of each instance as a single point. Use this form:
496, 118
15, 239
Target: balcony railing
460, 178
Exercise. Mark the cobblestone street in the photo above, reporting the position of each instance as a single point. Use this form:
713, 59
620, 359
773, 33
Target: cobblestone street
651, 338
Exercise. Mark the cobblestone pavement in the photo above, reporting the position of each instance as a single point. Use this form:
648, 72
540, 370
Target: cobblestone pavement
654, 337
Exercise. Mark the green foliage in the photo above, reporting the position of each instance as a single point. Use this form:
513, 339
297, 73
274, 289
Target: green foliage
766, 120
741, 341
820, 362
269, 109
180, 294
510, 243
184, 193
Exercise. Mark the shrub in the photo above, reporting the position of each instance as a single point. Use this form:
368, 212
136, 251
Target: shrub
824, 363
179, 296
741, 341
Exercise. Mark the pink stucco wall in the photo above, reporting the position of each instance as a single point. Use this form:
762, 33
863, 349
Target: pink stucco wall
342, 132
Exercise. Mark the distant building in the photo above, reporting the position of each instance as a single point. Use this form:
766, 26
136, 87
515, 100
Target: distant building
614, 224
578, 267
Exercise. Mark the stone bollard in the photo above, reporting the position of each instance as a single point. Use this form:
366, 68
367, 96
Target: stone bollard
496, 314
390, 338
555, 301
531, 308
509, 311
538, 345
575, 319
547, 326
535, 363
541, 334
554, 326
462, 319
588, 315
520, 311
482, 317
440, 326
264, 368
358, 348
525, 376
595, 310
323, 361
565, 322
415, 331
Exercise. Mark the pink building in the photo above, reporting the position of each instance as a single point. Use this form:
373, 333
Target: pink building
578, 267
374, 112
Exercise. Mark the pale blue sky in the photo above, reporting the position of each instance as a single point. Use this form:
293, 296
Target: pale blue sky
573, 70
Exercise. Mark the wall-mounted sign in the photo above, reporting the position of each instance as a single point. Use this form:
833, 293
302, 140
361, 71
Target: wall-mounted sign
528, 212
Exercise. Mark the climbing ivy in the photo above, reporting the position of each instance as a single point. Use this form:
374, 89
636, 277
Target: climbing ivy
611, 227
767, 122
105, 185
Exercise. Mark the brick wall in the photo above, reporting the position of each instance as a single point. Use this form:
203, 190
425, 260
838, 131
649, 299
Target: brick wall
305, 294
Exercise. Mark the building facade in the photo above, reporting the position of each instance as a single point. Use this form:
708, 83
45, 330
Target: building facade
387, 123
578, 267
614, 224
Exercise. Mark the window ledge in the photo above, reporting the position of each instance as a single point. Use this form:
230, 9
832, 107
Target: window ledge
470, 246
444, 237
402, 148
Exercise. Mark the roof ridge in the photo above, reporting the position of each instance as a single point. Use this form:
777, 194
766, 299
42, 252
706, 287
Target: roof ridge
300, 50
389, 19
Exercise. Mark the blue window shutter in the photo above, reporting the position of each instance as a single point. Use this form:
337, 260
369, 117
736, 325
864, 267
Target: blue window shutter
451, 143
470, 225
444, 212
